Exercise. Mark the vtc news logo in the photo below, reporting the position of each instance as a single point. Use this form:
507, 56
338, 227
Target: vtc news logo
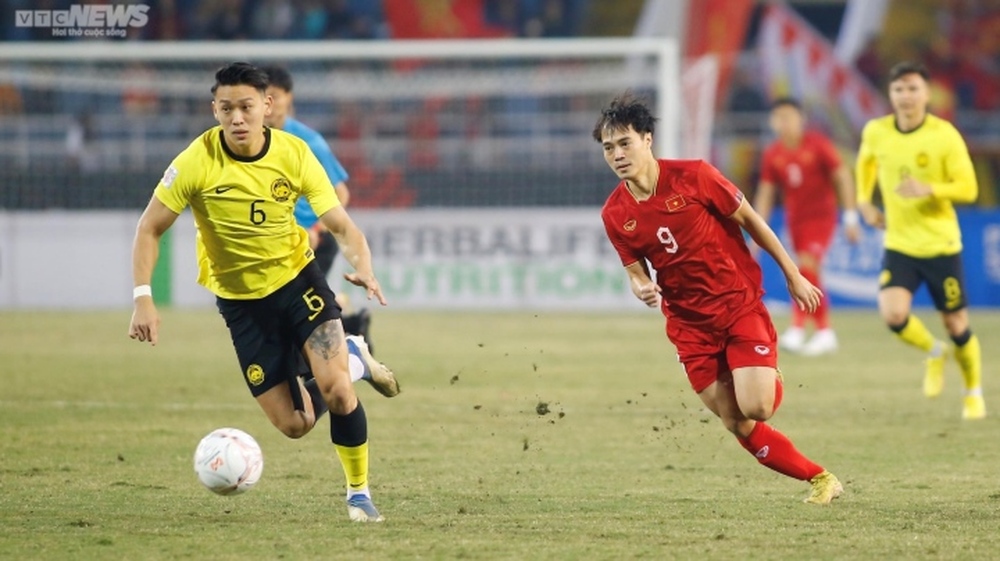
86, 20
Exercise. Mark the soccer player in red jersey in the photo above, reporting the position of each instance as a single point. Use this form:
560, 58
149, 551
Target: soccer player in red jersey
683, 219
804, 165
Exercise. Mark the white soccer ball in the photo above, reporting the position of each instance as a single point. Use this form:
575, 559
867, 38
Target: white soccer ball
228, 461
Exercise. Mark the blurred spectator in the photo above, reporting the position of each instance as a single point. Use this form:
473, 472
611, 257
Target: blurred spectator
11, 102
139, 97
272, 19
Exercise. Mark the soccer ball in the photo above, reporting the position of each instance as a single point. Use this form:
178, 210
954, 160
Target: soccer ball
228, 461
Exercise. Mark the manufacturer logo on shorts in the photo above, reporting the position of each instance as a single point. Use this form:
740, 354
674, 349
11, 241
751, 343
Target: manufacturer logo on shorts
255, 375
762, 350
884, 277
281, 189
762, 453
630, 225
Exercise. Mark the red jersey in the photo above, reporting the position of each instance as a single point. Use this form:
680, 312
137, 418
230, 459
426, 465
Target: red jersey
703, 266
804, 175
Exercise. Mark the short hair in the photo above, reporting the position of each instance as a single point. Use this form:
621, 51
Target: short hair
279, 77
241, 74
786, 102
908, 67
625, 110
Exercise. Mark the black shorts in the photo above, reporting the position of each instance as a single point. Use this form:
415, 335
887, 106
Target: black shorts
943, 275
326, 251
268, 333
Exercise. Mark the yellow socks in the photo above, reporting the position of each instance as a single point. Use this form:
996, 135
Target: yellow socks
916, 333
355, 462
970, 360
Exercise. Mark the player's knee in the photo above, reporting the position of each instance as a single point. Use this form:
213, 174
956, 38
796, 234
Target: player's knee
759, 407
896, 320
294, 427
340, 398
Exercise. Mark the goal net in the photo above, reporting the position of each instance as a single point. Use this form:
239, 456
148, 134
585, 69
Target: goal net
416, 123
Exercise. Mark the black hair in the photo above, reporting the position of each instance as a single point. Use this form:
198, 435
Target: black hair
279, 77
625, 110
908, 67
241, 74
786, 102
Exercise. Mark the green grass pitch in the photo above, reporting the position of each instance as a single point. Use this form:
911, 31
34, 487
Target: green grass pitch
97, 434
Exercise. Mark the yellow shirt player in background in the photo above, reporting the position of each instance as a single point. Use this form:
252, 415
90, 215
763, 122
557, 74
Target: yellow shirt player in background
241, 181
922, 166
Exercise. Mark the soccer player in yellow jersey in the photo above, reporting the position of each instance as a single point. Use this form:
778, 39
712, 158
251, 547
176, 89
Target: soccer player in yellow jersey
922, 166
241, 180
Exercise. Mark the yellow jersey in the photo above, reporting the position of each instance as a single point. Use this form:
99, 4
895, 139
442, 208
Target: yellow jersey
933, 153
248, 242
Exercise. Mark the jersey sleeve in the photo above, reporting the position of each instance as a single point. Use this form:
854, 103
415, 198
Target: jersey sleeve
828, 153
719, 192
960, 183
767, 172
180, 180
866, 168
315, 185
625, 252
321, 149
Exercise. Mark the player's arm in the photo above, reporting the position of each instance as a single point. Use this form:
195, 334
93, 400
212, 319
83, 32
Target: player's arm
851, 220
961, 185
155, 220
642, 285
866, 172
806, 296
354, 247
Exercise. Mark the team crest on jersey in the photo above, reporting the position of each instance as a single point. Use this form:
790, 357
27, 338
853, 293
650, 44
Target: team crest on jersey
675, 203
281, 189
255, 375
168, 177
923, 159
630, 225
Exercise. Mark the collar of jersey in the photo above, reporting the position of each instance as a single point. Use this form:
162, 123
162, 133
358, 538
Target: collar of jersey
247, 159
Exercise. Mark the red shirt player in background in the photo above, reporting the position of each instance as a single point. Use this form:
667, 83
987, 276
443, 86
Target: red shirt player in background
683, 218
805, 165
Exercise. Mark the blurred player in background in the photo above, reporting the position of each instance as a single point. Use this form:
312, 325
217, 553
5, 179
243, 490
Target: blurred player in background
922, 166
805, 166
684, 218
320, 239
241, 180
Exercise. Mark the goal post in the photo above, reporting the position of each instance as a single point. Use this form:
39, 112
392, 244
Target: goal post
472, 167
473, 112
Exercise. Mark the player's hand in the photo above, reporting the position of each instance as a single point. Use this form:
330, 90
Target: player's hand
145, 324
649, 293
369, 283
853, 233
910, 188
872, 215
806, 296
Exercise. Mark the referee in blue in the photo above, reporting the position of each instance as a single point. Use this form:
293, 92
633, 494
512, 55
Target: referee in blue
320, 239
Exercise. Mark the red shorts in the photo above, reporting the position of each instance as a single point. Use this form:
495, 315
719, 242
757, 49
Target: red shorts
707, 355
812, 237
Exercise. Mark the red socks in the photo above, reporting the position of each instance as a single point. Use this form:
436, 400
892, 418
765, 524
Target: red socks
822, 314
774, 450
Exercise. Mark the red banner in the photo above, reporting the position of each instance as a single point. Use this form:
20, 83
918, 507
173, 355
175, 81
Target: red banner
438, 19
717, 27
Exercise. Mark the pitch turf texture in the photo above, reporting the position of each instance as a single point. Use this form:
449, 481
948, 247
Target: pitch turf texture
517, 436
